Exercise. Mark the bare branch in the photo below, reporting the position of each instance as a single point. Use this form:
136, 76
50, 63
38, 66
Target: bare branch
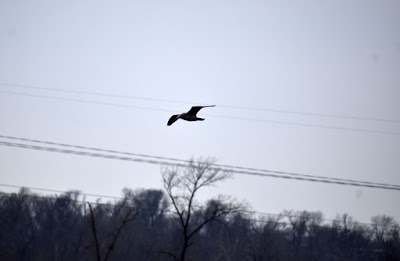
182, 185
127, 218
169, 254
94, 231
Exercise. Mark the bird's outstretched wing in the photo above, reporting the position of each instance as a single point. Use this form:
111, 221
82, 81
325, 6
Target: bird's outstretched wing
195, 109
173, 119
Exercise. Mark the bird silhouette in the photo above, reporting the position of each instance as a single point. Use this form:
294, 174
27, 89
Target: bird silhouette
188, 116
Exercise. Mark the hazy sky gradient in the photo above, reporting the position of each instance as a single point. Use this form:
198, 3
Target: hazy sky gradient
330, 57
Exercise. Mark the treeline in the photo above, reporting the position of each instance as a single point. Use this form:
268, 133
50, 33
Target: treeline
144, 226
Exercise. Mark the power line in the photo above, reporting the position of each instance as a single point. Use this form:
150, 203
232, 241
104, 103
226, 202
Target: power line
122, 198
84, 153
263, 214
58, 191
183, 162
86, 101
84, 202
191, 103
96, 94
309, 125
159, 162
213, 115
326, 115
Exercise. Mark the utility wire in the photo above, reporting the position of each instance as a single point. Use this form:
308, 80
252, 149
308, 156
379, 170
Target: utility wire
308, 125
208, 115
97, 94
191, 103
182, 162
86, 101
159, 162
84, 202
59, 191
261, 220
122, 198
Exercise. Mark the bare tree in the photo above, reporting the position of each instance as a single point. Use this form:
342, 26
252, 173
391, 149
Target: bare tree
182, 185
264, 241
128, 216
381, 226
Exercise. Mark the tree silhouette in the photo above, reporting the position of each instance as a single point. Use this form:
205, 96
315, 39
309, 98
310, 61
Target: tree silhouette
182, 185
128, 215
61, 227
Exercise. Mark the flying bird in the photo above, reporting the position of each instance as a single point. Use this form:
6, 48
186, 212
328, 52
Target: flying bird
188, 116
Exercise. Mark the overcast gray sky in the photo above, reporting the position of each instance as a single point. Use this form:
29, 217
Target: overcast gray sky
324, 57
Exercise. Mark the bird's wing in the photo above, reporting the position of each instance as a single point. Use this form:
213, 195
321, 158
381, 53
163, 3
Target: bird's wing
173, 119
195, 109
